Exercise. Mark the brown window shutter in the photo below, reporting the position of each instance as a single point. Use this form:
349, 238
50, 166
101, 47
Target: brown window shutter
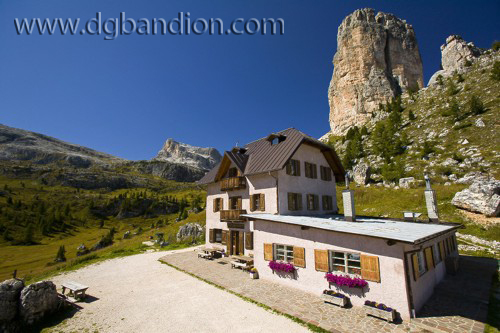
322, 172
289, 168
299, 201
315, 171
299, 258
290, 201
414, 261
370, 269
268, 252
239, 203
298, 168
321, 260
215, 205
252, 202
249, 240
441, 250
241, 242
211, 236
221, 204
429, 258
306, 169
316, 202
224, 237
262, 199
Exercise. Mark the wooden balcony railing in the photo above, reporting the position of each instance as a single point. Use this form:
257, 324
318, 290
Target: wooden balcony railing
232, 215
233, 183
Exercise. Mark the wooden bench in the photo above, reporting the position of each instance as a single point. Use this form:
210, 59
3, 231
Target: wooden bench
76, 290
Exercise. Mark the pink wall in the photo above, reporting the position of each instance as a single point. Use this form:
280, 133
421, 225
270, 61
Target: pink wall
390, 291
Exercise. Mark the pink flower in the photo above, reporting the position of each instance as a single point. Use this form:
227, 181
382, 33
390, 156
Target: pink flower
344, 280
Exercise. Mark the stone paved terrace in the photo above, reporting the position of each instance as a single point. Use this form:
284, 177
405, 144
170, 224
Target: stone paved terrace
310, 308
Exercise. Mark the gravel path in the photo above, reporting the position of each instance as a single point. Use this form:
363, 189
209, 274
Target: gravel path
139, 294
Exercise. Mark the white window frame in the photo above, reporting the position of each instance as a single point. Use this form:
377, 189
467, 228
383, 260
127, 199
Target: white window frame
283, 252
348, 260
422, 265
437, 254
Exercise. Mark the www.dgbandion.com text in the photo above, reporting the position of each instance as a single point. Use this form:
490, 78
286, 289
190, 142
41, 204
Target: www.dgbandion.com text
183, 24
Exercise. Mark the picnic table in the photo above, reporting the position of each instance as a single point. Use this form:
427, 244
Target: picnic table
76, 289
207, 253
243, 262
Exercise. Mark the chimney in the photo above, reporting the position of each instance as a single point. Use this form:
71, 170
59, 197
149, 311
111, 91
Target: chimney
431, 201
348, 199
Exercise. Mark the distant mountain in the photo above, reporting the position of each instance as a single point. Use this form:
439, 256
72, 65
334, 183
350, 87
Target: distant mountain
181, 153
21, 145
25, 154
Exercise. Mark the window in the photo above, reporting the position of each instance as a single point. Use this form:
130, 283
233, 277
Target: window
218, 204
234, 203
312, 202
311, 170
293, 168
294, 201
326, 173
215, 235
327, 202
437, 254
345, 262
283, 252
232, 172
422, 265
257, 202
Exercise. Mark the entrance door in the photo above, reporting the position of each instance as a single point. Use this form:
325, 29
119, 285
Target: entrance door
236, 243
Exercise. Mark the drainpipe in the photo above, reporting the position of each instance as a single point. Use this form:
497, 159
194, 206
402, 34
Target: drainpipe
411, 306
277, 197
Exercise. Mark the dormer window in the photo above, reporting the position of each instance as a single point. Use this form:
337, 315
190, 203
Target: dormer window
274, 139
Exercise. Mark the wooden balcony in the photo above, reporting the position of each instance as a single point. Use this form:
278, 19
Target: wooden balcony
232, 215
232, 183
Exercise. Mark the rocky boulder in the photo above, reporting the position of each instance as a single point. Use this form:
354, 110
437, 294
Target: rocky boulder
182, 153
361, 173
10, 290
377, 59
483, 196
38, 300
189, 231
406, 182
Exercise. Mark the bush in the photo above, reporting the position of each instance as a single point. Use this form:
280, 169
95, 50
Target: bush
495, 72
427, 149
457, 157
440, 80
455, 112
61, 254
476, 106
495, 46
451, 88
411, 115
392, 172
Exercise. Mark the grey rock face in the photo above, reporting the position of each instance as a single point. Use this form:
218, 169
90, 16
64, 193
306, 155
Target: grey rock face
38, 300
483, 196
189, 230
456, 52
361, 173
181, 153
377, 58
10, 290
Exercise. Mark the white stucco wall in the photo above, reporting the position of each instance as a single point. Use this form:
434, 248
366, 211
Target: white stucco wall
390, 291
423, 288
304, 185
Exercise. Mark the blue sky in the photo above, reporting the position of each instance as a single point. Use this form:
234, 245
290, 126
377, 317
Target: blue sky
127, 96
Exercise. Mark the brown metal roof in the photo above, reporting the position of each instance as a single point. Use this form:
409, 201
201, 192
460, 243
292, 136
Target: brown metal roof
263, 156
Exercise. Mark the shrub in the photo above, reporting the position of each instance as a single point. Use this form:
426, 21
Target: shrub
495, 46
495, 72
451, 88
393, 171
476, 106
61, 254
427, 149
411, 115
468, 63
457, 157
460, 78
455, 112
29, 234
440, 80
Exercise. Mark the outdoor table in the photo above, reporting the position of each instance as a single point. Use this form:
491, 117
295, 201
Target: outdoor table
76, 289
243, 262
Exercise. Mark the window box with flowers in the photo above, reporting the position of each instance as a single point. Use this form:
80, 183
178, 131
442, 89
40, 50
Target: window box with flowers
332, 297
281, 267
345, 280
379, 310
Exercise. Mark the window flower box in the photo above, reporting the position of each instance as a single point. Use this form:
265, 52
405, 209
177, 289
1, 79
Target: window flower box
329, 296
345, 280
282, 267
380, 310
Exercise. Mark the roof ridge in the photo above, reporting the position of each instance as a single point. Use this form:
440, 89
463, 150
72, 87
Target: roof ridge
286, 129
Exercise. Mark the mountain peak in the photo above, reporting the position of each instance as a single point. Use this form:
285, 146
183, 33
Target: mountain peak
183, 153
